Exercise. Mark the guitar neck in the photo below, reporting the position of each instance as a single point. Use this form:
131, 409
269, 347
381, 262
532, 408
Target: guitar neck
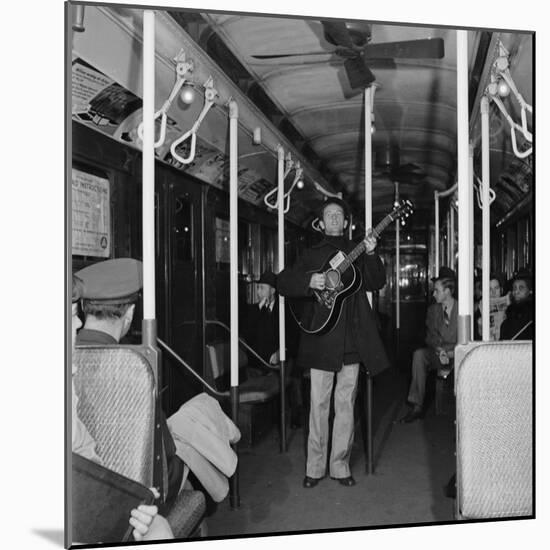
361, 247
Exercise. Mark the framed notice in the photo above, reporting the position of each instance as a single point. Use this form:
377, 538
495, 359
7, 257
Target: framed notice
91, 220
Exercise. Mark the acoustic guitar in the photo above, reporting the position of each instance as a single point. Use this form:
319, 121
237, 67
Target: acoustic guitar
320, 314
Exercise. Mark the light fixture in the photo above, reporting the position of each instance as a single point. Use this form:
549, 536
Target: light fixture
300, 184
187, 94
78, 23
503, 89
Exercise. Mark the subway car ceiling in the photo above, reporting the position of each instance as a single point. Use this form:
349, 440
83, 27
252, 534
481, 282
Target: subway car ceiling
312, 103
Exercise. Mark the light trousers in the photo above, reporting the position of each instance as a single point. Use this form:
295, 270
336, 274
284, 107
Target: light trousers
343, 427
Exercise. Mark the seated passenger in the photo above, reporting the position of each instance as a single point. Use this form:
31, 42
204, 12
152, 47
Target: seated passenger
147, 524
519, 319
111, 290
497, 306
261, 323
441, 337
261, 333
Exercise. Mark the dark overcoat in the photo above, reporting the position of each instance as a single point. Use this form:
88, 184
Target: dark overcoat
357, 321
260, 329
517, 318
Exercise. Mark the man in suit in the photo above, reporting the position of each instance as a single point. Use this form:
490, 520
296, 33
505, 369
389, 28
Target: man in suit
261, 325
261, 333
441, 337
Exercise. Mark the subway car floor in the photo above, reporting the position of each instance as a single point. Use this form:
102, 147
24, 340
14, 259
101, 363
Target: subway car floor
413, 463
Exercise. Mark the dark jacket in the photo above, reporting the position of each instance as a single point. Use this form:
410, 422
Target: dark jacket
261, 331
356, 332
439, 334
517, 317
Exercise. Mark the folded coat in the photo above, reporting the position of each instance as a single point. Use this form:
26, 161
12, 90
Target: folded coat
203, 433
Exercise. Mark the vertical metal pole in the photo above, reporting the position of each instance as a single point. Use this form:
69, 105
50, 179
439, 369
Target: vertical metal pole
436, 200
148, 158
149, 323
486, 215
448, 230
368, 224
281, 255
471, 220
465, 282
233, 280
397, 265
452, 231
370, 446
368, 165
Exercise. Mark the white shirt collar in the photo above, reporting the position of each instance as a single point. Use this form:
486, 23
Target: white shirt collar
263, 303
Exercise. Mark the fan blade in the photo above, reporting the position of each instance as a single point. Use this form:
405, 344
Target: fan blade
279, 55
428, 48
359, 75
337, 33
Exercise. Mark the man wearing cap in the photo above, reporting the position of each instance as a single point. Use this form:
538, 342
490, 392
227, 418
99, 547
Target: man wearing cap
441, 337
147, 523
111, 289
336, 354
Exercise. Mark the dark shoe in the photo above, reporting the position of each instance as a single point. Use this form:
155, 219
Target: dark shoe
411, 416
345, 481
295, 421
310, 482
450, 488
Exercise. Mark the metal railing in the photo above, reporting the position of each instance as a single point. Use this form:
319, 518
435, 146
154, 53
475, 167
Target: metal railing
181, 361
262, 361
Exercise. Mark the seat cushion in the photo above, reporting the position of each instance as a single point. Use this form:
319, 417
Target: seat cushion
259, 389
187, 513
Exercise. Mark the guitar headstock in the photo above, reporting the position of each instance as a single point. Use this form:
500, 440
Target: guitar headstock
402, 210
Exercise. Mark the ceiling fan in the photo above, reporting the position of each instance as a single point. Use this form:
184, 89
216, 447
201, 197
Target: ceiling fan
387, 165
405, 173
352, 41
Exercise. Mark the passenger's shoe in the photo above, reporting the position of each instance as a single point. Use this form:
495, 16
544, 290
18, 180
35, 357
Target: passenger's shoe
310, 482
295, 421
345, 481
450, 488
414, 414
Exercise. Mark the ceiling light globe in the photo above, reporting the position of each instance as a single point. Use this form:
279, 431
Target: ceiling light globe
187, 95
503, 89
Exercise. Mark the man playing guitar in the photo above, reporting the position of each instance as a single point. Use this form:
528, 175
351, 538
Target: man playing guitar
352, 338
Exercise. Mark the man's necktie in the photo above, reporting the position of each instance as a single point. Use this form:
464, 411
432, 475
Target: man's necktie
446, 315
